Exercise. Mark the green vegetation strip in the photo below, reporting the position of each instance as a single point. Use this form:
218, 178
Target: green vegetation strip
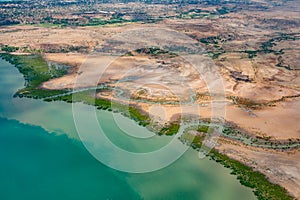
172, 129
88, 97
9, 49
262, 187
92, 22
35, 71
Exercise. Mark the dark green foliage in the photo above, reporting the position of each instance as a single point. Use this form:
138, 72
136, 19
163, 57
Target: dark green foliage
215, 55
210, 40
171, 129
154, 51
251, 54
9, 49
197, 141
222, 10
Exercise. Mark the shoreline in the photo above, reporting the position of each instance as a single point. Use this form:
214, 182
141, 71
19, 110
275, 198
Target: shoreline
144, 120
262, 187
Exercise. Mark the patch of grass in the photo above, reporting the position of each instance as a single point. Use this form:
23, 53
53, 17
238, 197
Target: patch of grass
171, 129
216, 54
203, 128
227, 130
35, 71
155, 51
38, 93
195, 141
135, 114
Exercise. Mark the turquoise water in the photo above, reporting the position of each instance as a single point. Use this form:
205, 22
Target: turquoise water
42, 157
38, 165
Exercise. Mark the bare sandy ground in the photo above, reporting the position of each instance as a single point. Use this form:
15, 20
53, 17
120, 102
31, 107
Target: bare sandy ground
158, 83
74, 60
279, 122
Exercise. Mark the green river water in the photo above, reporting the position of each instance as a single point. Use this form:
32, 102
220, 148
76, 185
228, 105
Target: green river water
43, 158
